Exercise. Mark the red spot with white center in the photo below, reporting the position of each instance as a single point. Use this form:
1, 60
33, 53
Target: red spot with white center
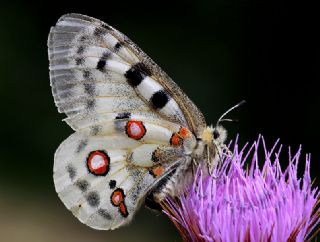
135, 129
117, 197
117, 200
98, 162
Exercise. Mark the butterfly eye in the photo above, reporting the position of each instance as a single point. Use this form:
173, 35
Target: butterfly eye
216, 134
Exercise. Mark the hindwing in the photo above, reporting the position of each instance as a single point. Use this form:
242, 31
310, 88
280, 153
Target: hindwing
103, 179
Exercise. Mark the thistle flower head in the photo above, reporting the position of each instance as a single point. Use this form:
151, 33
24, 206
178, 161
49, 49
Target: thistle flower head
253, 204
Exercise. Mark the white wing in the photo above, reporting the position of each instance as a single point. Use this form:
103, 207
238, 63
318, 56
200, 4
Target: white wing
104, 179
127, 114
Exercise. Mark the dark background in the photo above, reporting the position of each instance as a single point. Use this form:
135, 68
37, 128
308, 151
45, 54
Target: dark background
219, 52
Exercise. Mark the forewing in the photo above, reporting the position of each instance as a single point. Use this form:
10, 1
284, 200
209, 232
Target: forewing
95, 70
103, 179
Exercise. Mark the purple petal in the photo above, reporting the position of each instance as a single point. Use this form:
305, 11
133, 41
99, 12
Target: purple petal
258, 204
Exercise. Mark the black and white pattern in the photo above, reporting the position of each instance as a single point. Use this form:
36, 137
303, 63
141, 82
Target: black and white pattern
125, 111
95, 69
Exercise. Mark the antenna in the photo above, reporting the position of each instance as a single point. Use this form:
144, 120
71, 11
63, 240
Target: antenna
221, 119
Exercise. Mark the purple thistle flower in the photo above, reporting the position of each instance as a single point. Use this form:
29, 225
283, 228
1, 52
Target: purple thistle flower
254, 204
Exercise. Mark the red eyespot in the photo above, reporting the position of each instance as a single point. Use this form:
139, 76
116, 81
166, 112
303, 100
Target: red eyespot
117, 200
135, 130
98, 162
117, 197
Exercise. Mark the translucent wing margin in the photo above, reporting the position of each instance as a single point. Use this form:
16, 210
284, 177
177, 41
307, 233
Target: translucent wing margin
95, 69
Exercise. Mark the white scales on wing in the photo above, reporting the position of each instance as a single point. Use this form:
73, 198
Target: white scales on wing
136, 132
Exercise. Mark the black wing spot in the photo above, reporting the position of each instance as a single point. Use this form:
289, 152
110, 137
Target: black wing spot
89, 88
71, 171
104, 213
117, 46
79, 61
125, 115
82, 144
103, 61
159, 99
93, 199
136, 74
112, 184
134, 77
83, 185
87, 75
101, 64
91, 103
80, 50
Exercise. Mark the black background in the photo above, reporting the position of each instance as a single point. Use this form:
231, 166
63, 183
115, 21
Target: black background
219, 52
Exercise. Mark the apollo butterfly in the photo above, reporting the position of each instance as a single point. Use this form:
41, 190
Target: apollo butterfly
137, 136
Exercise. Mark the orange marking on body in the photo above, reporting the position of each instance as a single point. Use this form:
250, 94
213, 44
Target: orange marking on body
158, 171
123, 210
184, 132
175, 139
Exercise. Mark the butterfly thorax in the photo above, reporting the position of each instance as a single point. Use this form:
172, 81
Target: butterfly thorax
207, 135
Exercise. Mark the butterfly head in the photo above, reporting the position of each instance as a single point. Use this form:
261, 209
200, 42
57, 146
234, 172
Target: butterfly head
219, 135
214, 135
212, 140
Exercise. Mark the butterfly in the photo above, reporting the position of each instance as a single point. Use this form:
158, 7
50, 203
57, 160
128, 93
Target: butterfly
137, 138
